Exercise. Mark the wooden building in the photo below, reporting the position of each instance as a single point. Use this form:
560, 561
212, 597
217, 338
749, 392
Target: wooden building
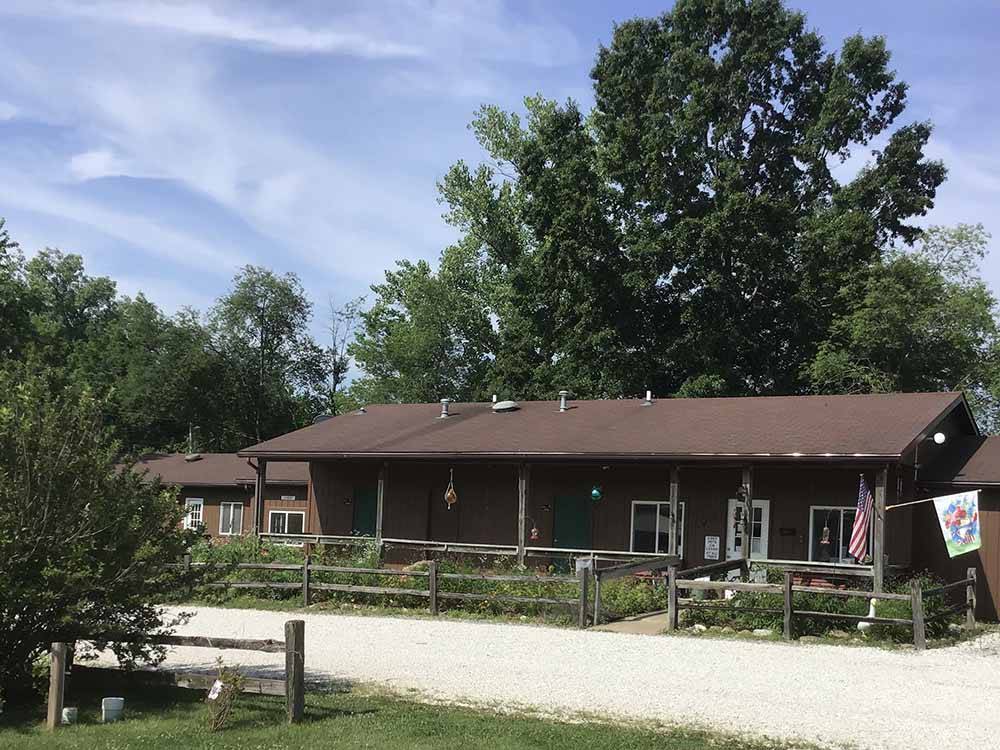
630, 478
217, 490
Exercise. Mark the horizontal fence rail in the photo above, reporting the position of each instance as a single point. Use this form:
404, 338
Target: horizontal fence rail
430, 590
917, 598
292, 687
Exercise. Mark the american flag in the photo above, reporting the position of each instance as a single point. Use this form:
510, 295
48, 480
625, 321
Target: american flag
862, 520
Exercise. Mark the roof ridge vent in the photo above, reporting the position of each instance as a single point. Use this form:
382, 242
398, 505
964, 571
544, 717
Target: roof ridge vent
505, 406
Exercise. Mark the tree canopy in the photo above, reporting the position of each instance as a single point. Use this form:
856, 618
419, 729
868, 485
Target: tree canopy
697, 232
83, 543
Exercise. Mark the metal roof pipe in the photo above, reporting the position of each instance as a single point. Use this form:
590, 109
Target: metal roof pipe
444, 408
562, 400
649, 399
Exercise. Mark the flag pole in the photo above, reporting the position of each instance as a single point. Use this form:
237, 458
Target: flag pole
912, 502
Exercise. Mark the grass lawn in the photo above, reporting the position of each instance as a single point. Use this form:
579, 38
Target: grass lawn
176, 719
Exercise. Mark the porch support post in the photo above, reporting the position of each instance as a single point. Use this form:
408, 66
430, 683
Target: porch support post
675, 484
878, 540
379, 504
747, 514
523, 472
258, 497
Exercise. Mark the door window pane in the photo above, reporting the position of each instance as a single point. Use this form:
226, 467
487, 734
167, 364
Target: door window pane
277, 523
643, 527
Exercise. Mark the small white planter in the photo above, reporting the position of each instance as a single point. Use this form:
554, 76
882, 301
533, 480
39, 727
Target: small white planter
112, 709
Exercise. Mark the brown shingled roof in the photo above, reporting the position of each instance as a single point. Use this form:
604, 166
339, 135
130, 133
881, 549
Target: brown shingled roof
218, 469
824, 426
970, 461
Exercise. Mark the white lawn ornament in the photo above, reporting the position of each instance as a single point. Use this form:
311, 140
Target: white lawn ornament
863, 626
216, 690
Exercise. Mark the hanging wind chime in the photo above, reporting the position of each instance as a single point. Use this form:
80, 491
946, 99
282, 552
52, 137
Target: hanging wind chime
450, 496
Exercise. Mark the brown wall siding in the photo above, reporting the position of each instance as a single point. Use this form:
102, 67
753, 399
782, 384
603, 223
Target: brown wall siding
486, 511
215, 496
931, 554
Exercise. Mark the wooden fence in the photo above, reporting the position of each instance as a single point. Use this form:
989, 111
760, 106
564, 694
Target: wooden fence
431, 591
680, 581
292, 687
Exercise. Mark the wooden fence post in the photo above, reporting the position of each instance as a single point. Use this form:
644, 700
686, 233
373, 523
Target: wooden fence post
306, 561
597, 597
187, 571
672, 598
970, 600
917, 606
787, 634
584, 576
57, 685
432, 585
295, 690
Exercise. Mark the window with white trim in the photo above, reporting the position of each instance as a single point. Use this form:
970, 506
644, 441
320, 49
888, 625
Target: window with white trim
651, 526
230, 519
830, 530
287, 521
195, 507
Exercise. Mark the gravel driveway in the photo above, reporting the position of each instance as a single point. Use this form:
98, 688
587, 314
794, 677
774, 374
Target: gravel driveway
830, 695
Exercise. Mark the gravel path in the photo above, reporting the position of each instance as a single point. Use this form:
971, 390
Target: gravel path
830, 695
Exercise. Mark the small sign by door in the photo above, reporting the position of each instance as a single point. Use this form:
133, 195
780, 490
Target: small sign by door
712, 548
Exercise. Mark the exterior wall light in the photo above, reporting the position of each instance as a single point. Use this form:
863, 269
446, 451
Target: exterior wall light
939, 438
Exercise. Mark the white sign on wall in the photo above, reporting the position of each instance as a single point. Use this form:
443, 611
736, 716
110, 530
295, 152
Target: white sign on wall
711, 548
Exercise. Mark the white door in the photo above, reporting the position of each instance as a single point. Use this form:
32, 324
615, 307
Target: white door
759, 527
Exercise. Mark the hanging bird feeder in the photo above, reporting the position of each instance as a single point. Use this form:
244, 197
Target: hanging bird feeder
825, 538
450, 496
596, 493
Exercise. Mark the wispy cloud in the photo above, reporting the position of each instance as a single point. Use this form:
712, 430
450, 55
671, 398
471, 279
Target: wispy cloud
236, 25
165, 243
7, 111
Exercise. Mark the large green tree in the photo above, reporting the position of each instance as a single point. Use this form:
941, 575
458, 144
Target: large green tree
921, 320
276, 374
693, 232
427, 335
83, 543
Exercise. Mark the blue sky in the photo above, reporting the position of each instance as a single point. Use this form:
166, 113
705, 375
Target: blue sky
170, 143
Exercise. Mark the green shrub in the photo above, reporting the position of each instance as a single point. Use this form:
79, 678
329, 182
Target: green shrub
933, 605
626, 597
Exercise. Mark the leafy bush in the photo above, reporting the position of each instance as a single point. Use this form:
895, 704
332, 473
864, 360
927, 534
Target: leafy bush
933, 605
84, 542
626, 597
738, 612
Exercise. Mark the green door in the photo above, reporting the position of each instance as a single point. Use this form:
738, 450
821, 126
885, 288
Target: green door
572, 522
365, 504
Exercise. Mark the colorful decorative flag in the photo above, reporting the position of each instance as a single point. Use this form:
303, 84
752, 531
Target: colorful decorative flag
858, 548
959, 518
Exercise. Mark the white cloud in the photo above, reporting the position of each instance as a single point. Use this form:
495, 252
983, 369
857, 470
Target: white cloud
268, 31
7, 111
179, 248
91, 165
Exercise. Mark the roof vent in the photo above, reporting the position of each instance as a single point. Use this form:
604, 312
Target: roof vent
192, 457
562, 400
649, 399
361, 410
503, 406
321, 418
444, 408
